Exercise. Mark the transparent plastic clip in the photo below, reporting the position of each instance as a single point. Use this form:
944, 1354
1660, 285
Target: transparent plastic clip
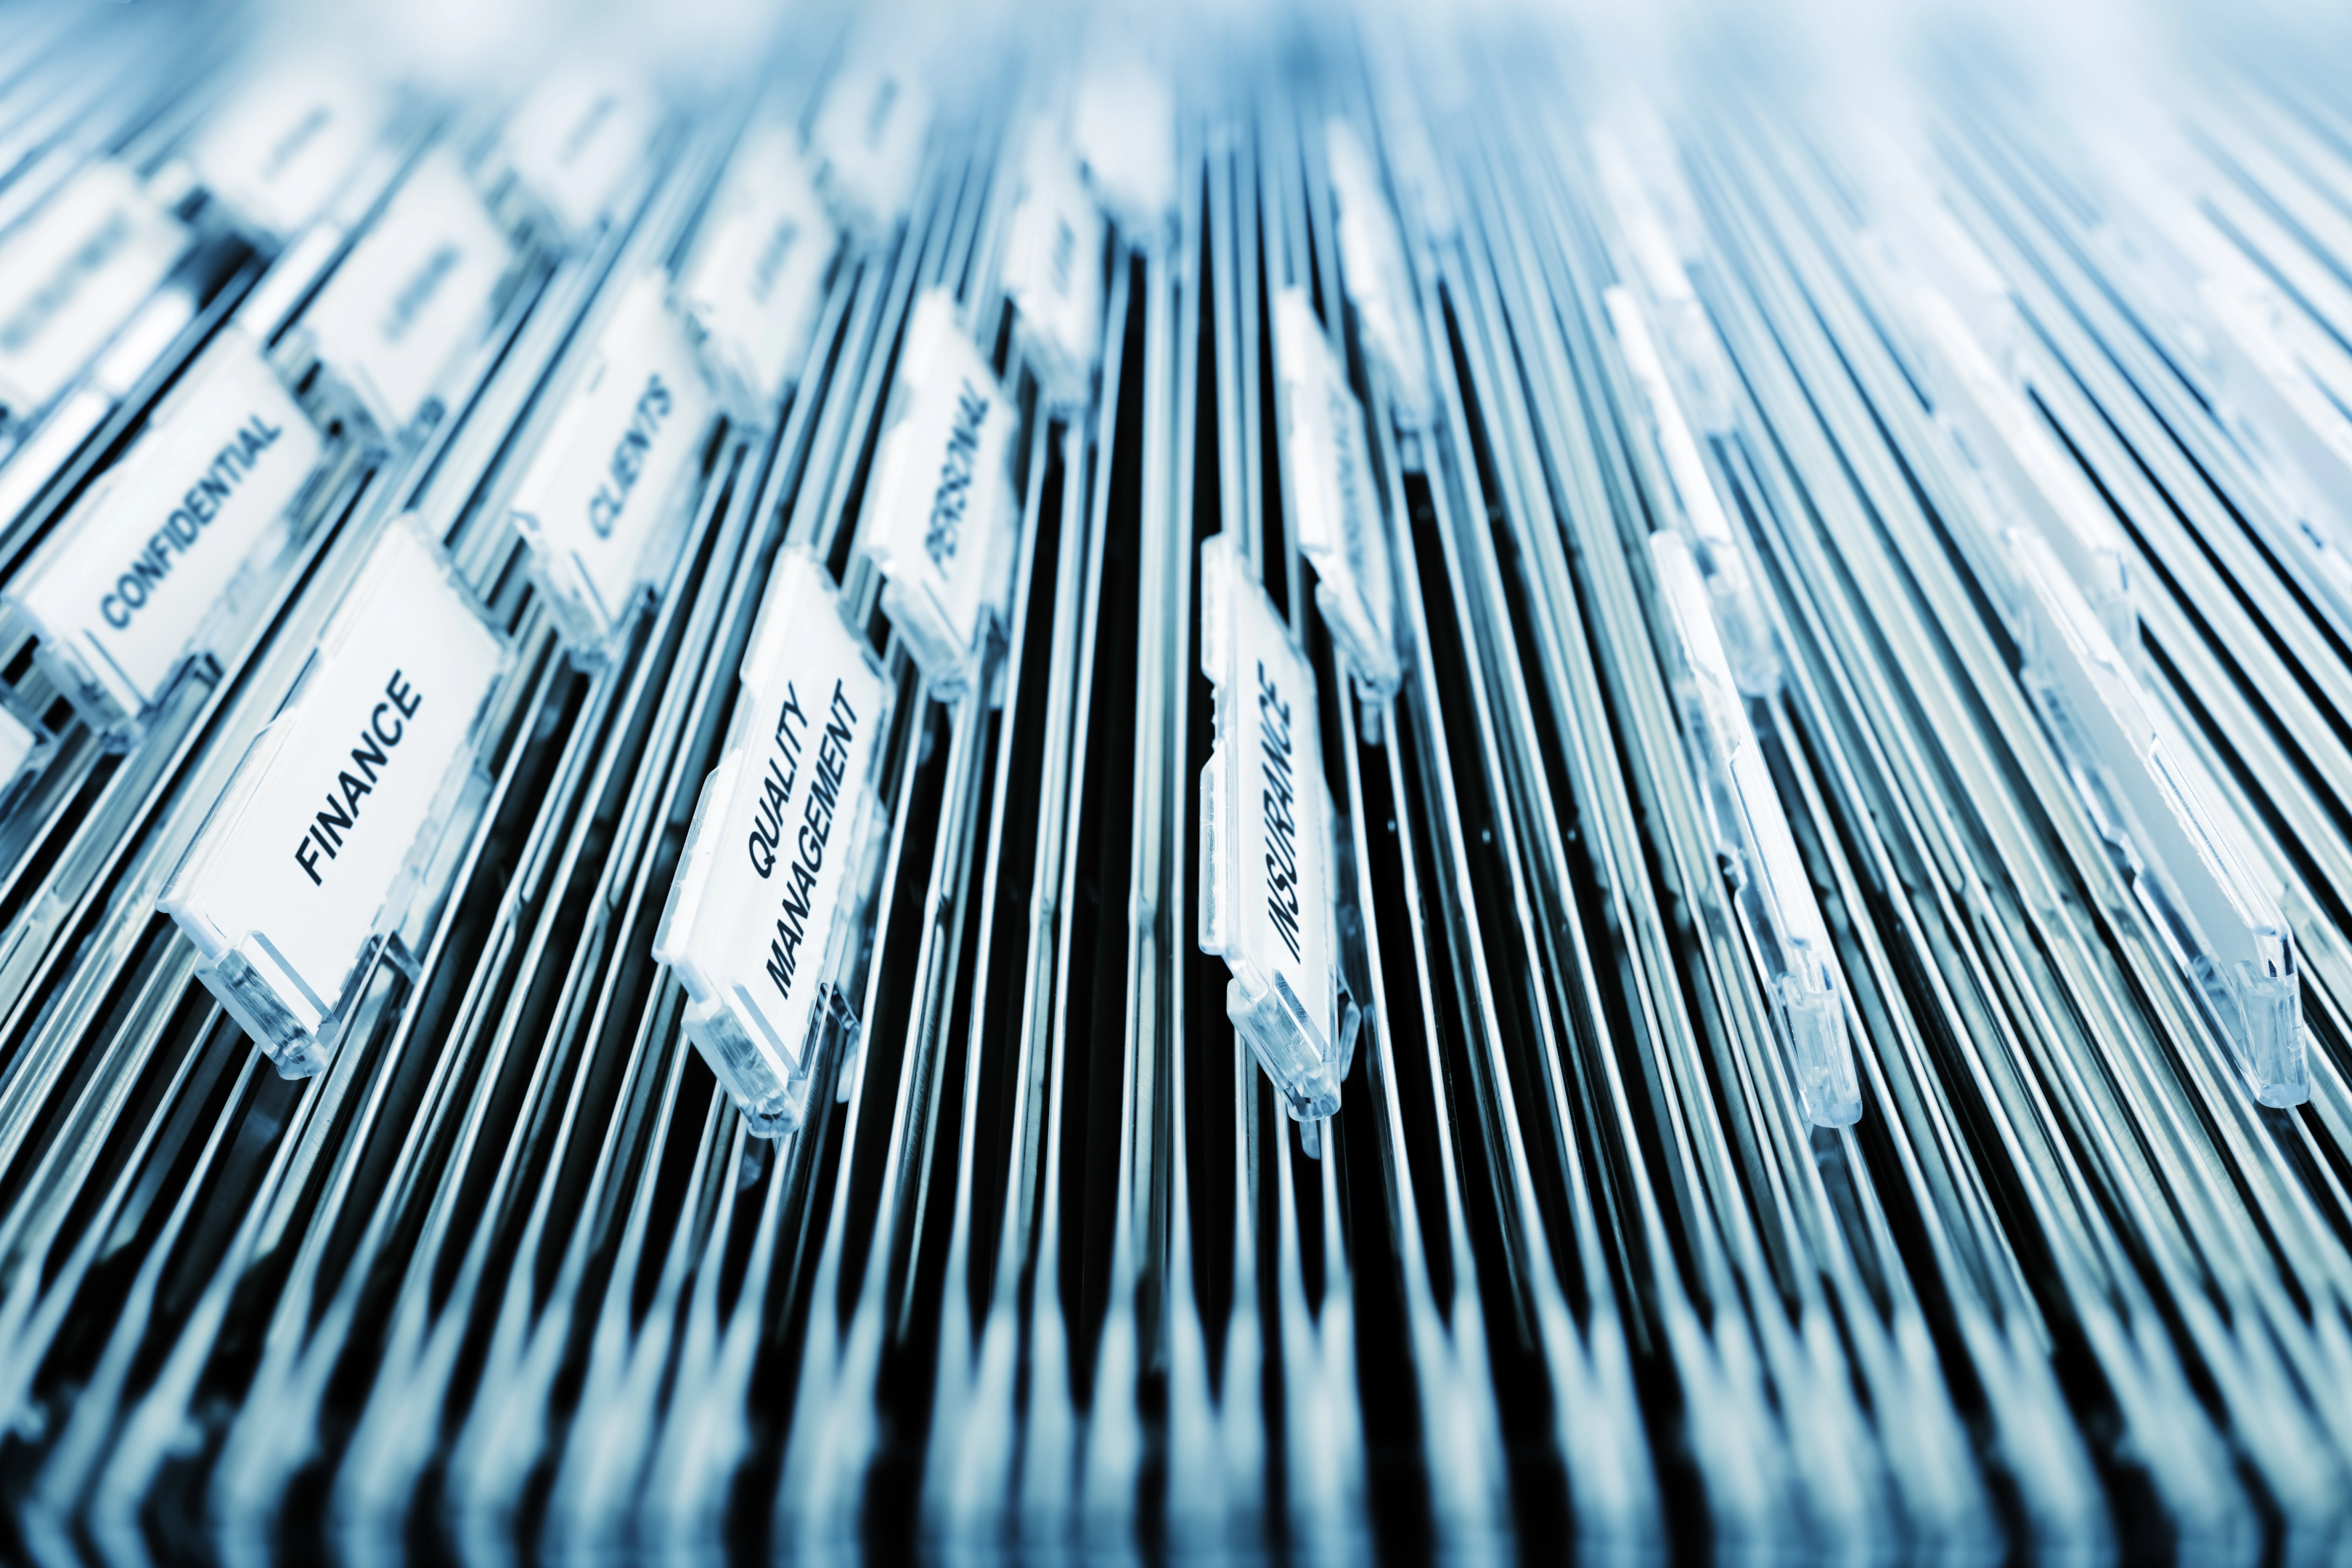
1771, 892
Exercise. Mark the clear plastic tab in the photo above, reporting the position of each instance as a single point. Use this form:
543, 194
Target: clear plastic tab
1774, 896
287, 143
121, 594
314, 851
1335, 499
600, 505
2005, 433
2188, 864
870, 140
25, 750
765, 917
70, 276
1054, 269
1268, 894
576, 138
1746, 631
943, 519
413, 295
756, 282
1372, 254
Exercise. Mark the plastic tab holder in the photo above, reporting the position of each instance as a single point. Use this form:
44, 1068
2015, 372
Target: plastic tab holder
600, 504
25, 749
71, 275
171, 540
313, 852
1053, 270
2003, 433
1745, 631
412, 295
868, 139
575, 139
1371, 259
756, 281
1269, 892
1335, 499
2187, 864
766, 921
287, 143
944, 520
1774, 897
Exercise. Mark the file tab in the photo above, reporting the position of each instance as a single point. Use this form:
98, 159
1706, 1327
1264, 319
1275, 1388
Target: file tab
313, 852
287, 143
1786, 935
1269, 895
601, 505
1053, 270
756, 284
125, 591
71, 275
944, 517
764, 923
1335, 499
413, 295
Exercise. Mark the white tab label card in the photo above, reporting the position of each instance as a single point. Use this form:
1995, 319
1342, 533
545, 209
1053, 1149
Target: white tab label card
315, 848
1266, 863
868, 139
599, 505
1124, 127
72, 273
414, 294
941, 523
286, 143
756, 283
1372, 252
576, 138
121, 591
1334, 502
763, 914
1054, 269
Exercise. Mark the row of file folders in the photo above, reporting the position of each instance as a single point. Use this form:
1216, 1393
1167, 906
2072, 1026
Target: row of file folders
1327, 793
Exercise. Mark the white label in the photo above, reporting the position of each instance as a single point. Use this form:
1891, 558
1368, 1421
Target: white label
1124, 127
1054, 269
576, 138
870, 137
414, 293
596, 496
150, 551
944, 498
1336, 509
1372, 254
757, 281
72, 273
1273, 838
755, 933
336, 793
282, 149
